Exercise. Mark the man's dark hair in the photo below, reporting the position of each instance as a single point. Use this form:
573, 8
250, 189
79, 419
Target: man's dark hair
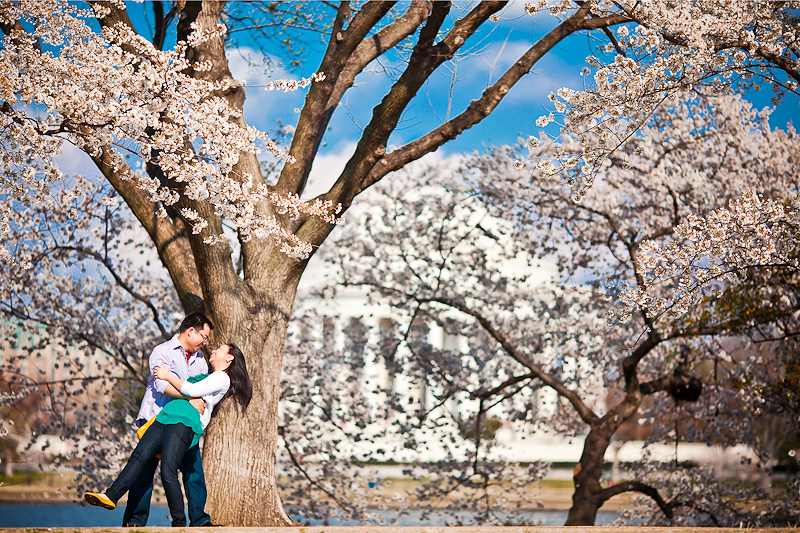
196, 321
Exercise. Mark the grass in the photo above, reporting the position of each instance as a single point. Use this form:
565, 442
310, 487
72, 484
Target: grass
32, 484
26, 478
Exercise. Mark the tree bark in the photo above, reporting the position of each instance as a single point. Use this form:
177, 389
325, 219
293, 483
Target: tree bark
252, 312
239, 450
588, 495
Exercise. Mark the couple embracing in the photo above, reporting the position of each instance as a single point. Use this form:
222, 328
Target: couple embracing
180, 398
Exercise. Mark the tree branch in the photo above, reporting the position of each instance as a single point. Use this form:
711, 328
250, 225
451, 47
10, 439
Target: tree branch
484, 394
170, 240
537, 371
313, 482
316, 113
490, 99
425, 59
370, 49
636, 486
656, 385
127, 288
121, 358
631, 362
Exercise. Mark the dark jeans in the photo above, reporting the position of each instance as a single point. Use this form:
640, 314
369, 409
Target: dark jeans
172, 441
138, 509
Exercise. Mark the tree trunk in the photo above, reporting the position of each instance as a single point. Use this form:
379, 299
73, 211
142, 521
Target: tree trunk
239, 450
250, 309
586, 499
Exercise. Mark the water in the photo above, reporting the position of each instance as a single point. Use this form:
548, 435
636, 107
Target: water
73, 515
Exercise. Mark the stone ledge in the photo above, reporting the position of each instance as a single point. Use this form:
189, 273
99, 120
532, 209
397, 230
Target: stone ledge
415, 529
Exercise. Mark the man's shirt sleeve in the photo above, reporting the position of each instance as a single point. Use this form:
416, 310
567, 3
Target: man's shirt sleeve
159, 357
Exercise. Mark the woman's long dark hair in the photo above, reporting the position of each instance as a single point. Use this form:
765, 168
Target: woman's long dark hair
241, 389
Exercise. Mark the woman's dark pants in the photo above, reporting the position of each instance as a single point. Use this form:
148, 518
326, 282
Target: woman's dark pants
171, 440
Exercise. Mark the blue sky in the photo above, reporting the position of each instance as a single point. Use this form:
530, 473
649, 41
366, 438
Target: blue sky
485, 57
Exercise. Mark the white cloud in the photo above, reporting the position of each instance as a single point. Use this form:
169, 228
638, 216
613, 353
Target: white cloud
253, 67
255, 70
74, 161
541, 82
326, 170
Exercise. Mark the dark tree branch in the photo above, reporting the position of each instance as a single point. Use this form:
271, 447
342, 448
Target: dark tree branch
36, 383
312, 481
656, 385
613, 39
485, 394
370, 49
170, 240
120, 282
119, 357
636, 486
316, 113
631, 362
489, 100
537, 371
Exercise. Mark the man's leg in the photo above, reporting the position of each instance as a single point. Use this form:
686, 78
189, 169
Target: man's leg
195, 484
177, 438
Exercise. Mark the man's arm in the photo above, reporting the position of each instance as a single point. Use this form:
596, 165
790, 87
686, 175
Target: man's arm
160, 358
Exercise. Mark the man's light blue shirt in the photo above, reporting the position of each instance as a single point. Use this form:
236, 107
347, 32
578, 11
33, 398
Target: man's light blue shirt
171, 355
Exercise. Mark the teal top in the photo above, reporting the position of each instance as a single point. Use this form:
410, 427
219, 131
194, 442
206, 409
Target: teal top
180, 411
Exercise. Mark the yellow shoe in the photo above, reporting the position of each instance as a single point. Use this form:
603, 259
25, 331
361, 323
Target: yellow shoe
99, 499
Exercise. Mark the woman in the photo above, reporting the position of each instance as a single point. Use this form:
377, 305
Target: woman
179, 426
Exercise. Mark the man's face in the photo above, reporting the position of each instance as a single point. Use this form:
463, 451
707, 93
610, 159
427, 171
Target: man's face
198, 338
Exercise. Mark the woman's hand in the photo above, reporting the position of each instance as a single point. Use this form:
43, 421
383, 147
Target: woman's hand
161, 372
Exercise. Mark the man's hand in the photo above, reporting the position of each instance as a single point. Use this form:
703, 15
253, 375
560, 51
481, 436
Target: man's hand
198, 404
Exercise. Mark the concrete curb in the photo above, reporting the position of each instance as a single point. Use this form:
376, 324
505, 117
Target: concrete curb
378, 529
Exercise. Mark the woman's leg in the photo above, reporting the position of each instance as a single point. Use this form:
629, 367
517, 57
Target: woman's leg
177, 438
145, 451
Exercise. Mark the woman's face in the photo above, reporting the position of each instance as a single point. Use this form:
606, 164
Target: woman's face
220, 358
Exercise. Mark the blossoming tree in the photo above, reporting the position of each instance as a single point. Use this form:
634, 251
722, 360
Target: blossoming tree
439, 253
165, 130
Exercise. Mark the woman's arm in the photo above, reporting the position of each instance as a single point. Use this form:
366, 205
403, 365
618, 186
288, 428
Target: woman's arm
175, 393
211, 384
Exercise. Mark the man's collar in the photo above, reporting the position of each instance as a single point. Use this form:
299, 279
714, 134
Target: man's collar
175, 344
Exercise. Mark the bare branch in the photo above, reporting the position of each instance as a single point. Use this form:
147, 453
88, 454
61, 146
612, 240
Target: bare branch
489, 100
120, 282
170, 240
574, 398
636, 486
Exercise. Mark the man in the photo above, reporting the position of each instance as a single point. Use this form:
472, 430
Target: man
181, 354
